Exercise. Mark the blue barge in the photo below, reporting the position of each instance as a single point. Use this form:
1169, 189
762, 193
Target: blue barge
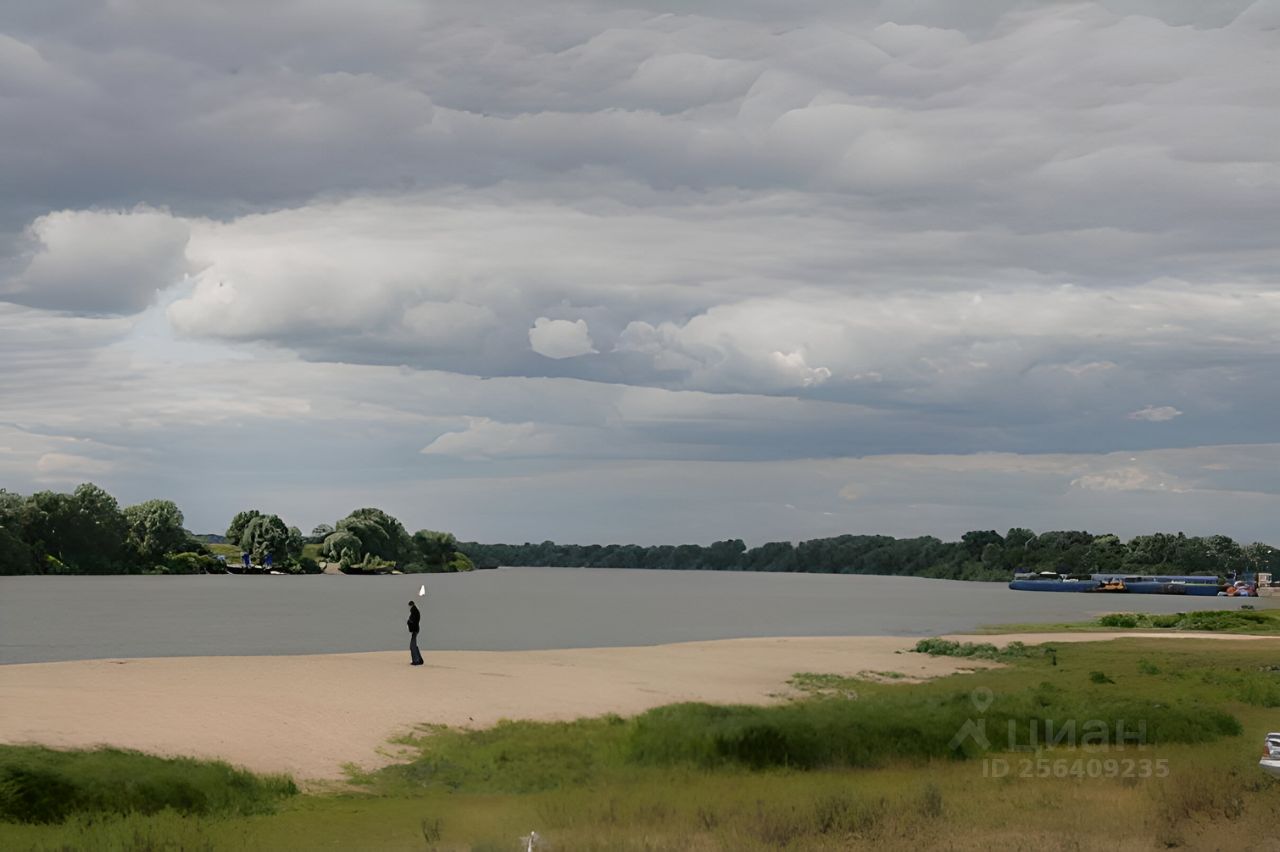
1049, 581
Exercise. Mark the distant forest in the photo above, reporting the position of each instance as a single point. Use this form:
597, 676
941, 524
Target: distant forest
978, 555
87, 532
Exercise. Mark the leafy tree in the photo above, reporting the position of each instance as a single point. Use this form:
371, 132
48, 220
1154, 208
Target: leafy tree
293, 546
338, 544
1018, 537
155, 529
16, 557
459, 562
236, 531
267, 534
725, 555
1105, 555
433, 548
380, 534
1262, 557
1227, 555
438, 552
84, 531
976, 542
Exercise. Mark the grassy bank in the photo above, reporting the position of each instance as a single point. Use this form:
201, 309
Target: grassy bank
857, 764
1264, 621
41, 785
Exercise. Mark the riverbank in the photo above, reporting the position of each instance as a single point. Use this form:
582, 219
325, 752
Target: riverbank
868, 766
311, 715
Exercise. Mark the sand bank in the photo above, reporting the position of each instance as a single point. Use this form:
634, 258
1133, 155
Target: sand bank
309, 715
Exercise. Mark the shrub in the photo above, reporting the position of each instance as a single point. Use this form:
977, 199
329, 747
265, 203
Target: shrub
41, 785
1119, 619
980, 650
191, 563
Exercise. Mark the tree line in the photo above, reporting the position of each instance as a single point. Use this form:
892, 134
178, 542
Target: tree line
370, 539
87, 532
978, 555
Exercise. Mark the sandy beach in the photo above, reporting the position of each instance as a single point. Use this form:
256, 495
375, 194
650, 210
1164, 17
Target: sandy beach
310, 715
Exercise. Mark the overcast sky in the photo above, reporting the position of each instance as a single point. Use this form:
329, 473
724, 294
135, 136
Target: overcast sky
663, 272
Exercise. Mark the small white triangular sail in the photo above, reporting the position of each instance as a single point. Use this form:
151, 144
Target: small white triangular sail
422, 590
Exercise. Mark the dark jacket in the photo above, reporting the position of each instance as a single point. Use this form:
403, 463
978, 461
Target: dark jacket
414, 618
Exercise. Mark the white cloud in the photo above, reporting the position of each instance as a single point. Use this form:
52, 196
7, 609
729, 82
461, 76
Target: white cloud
68, 465
560, 338
1155, 413
100, 262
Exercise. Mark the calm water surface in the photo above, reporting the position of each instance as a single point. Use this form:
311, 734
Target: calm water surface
74, 618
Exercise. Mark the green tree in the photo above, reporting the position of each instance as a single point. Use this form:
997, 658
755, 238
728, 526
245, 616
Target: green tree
267, 534
236, 530
976, 541
1262, 557
293, 546
16, 557
380, 534
156, 529
338, 544
1019, 537
1226, 554
434, 549
1105, 555
84, 531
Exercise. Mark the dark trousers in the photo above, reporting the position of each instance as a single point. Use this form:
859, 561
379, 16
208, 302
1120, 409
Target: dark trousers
414, 653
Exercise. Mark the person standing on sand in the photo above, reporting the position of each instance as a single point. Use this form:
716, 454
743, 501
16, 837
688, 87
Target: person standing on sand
415, 619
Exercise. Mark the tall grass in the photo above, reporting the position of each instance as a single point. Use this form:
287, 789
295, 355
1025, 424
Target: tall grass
1212, 621
819, 774
896, 724
42, 785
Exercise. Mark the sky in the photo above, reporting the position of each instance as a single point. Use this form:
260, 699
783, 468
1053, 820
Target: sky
648, 271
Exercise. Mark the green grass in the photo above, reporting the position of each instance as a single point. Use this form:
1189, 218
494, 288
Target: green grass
1264, 622
854, 724
981, 650
41, 785
870, 766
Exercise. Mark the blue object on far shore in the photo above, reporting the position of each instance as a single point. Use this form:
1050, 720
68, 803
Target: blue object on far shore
1183, 584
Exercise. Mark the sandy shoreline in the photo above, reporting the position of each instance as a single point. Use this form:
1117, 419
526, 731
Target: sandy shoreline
309, 715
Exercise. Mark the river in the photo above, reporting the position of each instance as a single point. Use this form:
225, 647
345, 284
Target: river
73, 618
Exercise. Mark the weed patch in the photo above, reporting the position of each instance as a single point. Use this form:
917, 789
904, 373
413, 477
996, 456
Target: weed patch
41, 785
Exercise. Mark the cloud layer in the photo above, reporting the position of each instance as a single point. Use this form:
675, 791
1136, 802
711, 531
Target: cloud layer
521, 244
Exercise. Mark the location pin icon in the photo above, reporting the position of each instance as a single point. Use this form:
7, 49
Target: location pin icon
982, 698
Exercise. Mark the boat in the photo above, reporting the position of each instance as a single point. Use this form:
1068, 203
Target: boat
1112, 585
1050, 581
